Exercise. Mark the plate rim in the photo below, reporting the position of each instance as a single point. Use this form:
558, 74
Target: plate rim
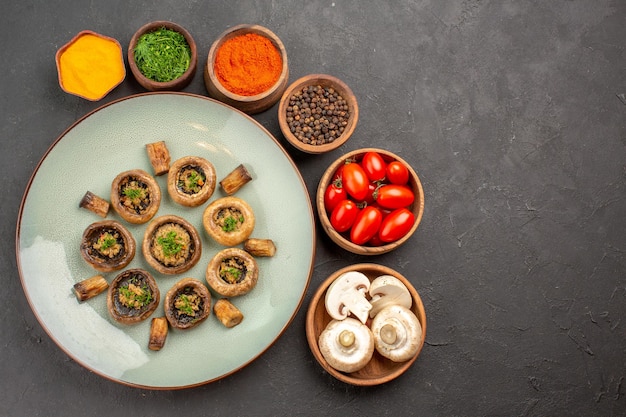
25, 195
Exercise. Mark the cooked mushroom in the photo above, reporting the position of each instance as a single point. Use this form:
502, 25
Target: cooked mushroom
158, 333
228, 220
187, 303
90, 287
260, 247
135, 196
347, 345
397, 333
159, 157
133, 296
191, 181
347, 294
236, 179
95, 204
232, 272
227, 313
171, 245
107, 246
388, 290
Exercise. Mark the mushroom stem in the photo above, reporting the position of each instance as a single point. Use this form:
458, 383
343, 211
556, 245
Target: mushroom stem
346, 338
388, 334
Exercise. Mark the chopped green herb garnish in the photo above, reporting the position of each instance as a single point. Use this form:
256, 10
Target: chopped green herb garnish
230, 274
162, 55
230, 223
183, 304
171, 243
106, 240
133, 192
134, 296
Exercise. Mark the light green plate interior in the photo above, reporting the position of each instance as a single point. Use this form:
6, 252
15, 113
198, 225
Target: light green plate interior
88, 156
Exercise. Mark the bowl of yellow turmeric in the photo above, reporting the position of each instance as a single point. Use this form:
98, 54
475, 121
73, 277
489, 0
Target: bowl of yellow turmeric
247, 68
162, 56
90, 65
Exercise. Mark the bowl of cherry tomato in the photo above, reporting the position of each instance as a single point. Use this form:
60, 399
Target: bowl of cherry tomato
370, 201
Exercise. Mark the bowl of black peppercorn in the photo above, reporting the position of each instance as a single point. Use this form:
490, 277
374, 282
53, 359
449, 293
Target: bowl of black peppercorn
318, 113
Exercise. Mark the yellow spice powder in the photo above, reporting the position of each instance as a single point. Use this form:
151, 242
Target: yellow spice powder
91, 66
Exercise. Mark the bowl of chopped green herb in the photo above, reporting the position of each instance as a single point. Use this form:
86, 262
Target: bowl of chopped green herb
162, 56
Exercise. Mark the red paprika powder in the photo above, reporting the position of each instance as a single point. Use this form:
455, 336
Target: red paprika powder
248, 64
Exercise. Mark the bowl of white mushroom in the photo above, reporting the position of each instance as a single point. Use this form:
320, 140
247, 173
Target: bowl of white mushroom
366, 324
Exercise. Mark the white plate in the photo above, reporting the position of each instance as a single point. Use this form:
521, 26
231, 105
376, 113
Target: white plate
87, 157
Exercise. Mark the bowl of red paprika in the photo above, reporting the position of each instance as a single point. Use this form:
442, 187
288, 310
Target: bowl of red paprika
162, 56
247, 68
370, 201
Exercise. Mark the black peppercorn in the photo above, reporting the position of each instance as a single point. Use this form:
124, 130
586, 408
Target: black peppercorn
317, 115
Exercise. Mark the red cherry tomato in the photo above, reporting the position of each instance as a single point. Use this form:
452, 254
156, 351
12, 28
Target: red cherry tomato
396, 225
343, 215
394, 196
397, 173
365, 225
333, 195
354, 180
371, 189
375, 241
374, 166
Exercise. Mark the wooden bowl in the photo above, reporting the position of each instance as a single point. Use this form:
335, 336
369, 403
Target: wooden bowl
341, 239
152, 85
325, 81
380, 369
248, 104
89, 75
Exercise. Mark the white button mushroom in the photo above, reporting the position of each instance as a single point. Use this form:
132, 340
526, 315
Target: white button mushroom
388, 290
347, 345
397, 333
347, 294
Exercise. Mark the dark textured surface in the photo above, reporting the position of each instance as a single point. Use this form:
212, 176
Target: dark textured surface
510, 112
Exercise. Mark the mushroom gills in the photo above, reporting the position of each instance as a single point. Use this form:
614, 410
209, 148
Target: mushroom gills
347, 295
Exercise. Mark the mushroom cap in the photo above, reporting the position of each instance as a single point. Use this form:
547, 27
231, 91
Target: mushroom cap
149, 244
347, 294
397, 333
102, 262
250, 271
347, 345
187, 286
130, 214
388, 290
186, 197
213, 229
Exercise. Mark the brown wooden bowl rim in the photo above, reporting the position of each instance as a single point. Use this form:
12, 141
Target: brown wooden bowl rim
317, 301
177, 83
79, 35
243, 29
324, 80
417, 207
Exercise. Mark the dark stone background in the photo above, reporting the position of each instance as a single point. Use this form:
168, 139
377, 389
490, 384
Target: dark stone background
510, 112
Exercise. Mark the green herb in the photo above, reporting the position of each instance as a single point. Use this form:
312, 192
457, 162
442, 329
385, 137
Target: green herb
230, 223
192, 181
184, 304
133, 192
230, 274
106, 241
162, 55
171, 243
134, 296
